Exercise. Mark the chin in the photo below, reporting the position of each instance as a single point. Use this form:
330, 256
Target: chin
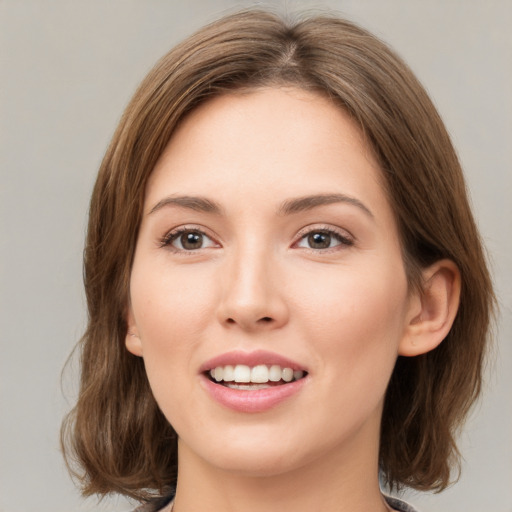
254, 454
258, 464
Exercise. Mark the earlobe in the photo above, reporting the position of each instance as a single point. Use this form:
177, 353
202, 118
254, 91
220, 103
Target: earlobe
435, 308
132, 341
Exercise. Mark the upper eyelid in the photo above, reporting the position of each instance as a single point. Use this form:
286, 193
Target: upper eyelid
167, 238
336, 230
341, 232
189, 227
345, 239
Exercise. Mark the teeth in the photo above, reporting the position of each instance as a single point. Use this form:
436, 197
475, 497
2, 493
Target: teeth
219, 373
275, 373
287, 374
297, 374
259, 374
242, 373
229, 373
248, 387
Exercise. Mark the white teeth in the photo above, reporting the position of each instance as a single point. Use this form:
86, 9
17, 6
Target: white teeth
242, 373
275, 373
247, 387
229, 373
287, 374
259, 374
219, 373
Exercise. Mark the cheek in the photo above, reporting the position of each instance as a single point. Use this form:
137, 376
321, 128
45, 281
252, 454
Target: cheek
357, 350
170, 310
357, 320
166, 322
167, 301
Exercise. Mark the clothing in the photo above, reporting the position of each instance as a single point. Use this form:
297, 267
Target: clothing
395, 503
156, 506
399, 505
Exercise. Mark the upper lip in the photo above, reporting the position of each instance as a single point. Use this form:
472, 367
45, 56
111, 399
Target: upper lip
253, 358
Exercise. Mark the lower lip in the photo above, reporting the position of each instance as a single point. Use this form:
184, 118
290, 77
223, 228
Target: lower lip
259, 400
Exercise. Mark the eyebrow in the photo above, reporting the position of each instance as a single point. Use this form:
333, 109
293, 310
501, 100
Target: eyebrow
288, 207
309, 202
199, 204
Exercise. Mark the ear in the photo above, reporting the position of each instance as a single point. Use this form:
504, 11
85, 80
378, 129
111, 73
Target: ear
132, 341
433, 309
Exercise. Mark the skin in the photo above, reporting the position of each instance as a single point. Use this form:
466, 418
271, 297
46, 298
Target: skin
344, 312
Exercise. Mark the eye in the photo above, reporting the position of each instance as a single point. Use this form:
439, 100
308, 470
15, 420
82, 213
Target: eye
188, 240
321, 239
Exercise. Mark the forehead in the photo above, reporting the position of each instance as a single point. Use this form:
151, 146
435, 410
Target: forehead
285, 140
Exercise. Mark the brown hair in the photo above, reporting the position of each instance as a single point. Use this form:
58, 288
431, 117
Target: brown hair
116, 433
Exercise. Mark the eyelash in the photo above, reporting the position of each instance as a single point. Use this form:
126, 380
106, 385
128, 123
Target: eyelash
175, 234
342, 238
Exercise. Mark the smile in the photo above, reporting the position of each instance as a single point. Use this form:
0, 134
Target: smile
257, 377
252, 382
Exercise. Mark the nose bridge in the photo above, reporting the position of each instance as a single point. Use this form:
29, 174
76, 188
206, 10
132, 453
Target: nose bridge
251, 297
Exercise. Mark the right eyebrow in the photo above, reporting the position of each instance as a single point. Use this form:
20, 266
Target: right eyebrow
309, 202
197, 203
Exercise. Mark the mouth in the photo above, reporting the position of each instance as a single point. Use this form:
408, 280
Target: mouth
253, 378
252, 382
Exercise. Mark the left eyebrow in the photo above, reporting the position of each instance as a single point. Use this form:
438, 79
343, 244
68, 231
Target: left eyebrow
305, 203
199, 204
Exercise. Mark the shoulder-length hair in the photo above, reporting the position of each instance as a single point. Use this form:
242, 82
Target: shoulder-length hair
116, 439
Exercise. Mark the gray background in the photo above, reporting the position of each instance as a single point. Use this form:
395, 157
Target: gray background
67, 69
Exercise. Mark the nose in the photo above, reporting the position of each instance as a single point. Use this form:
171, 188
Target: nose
252, 295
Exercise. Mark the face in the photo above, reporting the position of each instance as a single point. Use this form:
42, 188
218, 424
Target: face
268, 296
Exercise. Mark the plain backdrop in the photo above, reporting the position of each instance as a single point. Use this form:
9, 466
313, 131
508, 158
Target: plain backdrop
68, 68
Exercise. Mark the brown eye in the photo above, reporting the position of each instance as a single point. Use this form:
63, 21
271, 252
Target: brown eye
319, 240
188, 240
322, 239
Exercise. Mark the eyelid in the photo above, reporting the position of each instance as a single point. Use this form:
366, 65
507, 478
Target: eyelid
346, 238
174, 233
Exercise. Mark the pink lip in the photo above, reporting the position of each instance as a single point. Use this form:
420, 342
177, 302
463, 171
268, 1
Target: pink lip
251, 401
250, 359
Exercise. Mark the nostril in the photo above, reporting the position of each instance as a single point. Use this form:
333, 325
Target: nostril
263, 320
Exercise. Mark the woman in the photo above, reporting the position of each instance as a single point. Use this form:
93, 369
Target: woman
287, 293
